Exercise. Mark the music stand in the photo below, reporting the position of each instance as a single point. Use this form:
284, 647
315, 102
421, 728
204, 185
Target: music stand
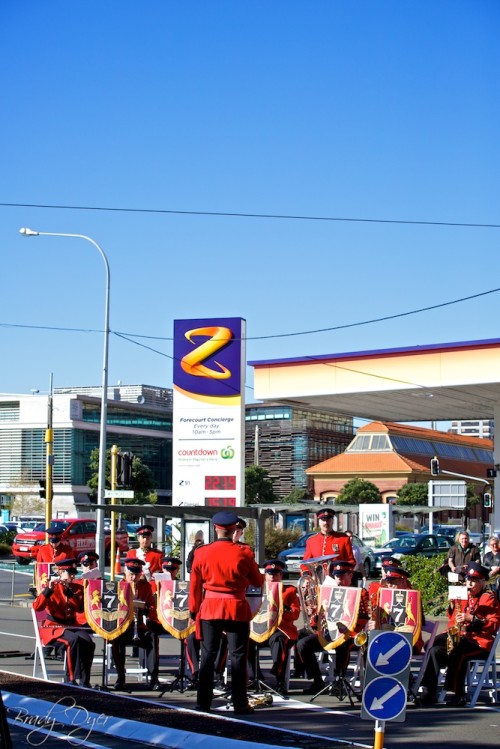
103, 687
182, 681
340, 688
257, 686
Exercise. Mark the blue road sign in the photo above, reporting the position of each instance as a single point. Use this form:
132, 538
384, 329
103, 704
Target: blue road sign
385, 699
389, 653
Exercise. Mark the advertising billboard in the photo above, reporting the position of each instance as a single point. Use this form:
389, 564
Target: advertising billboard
209, 408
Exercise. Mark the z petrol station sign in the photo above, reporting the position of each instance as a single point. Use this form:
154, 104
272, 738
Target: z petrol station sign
387, 674
208, 414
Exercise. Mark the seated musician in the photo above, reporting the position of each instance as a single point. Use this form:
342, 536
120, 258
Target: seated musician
341, 573
63, 601
396, 578
88, 561
375, 585
146, 553
138, 633
471, 630
285, 636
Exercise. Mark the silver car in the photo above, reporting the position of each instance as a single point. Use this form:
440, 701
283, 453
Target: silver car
294, 555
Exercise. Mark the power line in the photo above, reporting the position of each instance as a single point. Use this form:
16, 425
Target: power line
274, 335
239, 214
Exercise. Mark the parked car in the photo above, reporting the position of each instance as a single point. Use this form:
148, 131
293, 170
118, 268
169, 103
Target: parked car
11, 526
294, 555
414, 544
79, 533
443, 530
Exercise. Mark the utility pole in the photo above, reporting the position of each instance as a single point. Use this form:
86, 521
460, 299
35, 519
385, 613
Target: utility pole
49, 451
114, 465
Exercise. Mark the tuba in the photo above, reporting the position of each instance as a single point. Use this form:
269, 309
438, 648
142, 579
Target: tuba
308, 586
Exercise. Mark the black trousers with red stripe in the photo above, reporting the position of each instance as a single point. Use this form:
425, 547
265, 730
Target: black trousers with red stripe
80, 649
455, 663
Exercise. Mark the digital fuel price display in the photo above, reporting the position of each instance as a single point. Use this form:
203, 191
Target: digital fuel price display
220, 483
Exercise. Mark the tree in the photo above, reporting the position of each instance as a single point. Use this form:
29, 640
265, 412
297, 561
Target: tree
413, 494
358, 491
296, 495
258, 486
143, 482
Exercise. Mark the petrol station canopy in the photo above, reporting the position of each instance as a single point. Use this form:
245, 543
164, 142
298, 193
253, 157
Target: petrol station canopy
435, 382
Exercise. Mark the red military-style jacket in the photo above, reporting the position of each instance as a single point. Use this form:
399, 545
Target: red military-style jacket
322, 545
220, 575
144, 592
50, 554
153, 557
291, 612
486, 611
64, 607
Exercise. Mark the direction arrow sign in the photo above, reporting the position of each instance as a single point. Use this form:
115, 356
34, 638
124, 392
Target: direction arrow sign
389, 653
119, 493
385, 699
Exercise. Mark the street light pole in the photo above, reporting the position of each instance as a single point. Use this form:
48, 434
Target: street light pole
104, 395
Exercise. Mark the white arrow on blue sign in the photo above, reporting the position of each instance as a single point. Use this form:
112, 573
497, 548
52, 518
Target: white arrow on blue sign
389, 653
384, 698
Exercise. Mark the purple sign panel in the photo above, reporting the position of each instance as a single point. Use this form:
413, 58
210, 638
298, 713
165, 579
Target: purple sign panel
207, 357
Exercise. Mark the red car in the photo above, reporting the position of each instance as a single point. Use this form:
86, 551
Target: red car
79, 533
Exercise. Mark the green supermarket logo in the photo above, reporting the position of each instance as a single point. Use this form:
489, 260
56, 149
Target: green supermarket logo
227, 453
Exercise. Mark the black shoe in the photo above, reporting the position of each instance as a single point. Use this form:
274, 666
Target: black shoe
202, 709
298, 673
245, 710
427, 699
119, 685
314, 688
155, 686
281, 689
219, 683
457, 701
253, 686
86, 685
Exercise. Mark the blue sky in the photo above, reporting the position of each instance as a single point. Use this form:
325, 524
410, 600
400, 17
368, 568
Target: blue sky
364, 110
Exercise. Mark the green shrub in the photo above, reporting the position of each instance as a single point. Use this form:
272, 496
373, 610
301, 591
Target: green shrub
433, 587
276, 539
5, 549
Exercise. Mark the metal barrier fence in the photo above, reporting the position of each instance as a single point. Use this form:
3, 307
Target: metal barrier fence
15, 581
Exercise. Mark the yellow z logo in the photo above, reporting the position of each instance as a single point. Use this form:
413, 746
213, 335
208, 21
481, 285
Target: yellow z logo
192, 363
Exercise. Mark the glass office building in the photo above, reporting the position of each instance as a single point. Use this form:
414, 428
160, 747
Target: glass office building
286, 440
139, 421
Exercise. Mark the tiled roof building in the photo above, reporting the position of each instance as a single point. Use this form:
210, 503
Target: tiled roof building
391, 455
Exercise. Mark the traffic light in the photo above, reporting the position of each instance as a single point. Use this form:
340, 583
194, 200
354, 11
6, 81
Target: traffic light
434, 466
42, 489
124, 469
487, 500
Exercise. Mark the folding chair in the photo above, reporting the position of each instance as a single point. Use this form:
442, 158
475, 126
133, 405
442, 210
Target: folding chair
420, 661
40, 670
482, 675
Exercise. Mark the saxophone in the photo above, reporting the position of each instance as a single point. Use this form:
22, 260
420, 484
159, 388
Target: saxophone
454, 633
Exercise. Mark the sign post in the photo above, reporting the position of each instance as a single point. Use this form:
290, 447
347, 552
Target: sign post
446, 494
386, 680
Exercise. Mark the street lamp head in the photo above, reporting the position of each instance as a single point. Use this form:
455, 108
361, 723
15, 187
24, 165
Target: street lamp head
28, 232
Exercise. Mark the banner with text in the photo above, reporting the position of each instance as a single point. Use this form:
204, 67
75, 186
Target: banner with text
209, 408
